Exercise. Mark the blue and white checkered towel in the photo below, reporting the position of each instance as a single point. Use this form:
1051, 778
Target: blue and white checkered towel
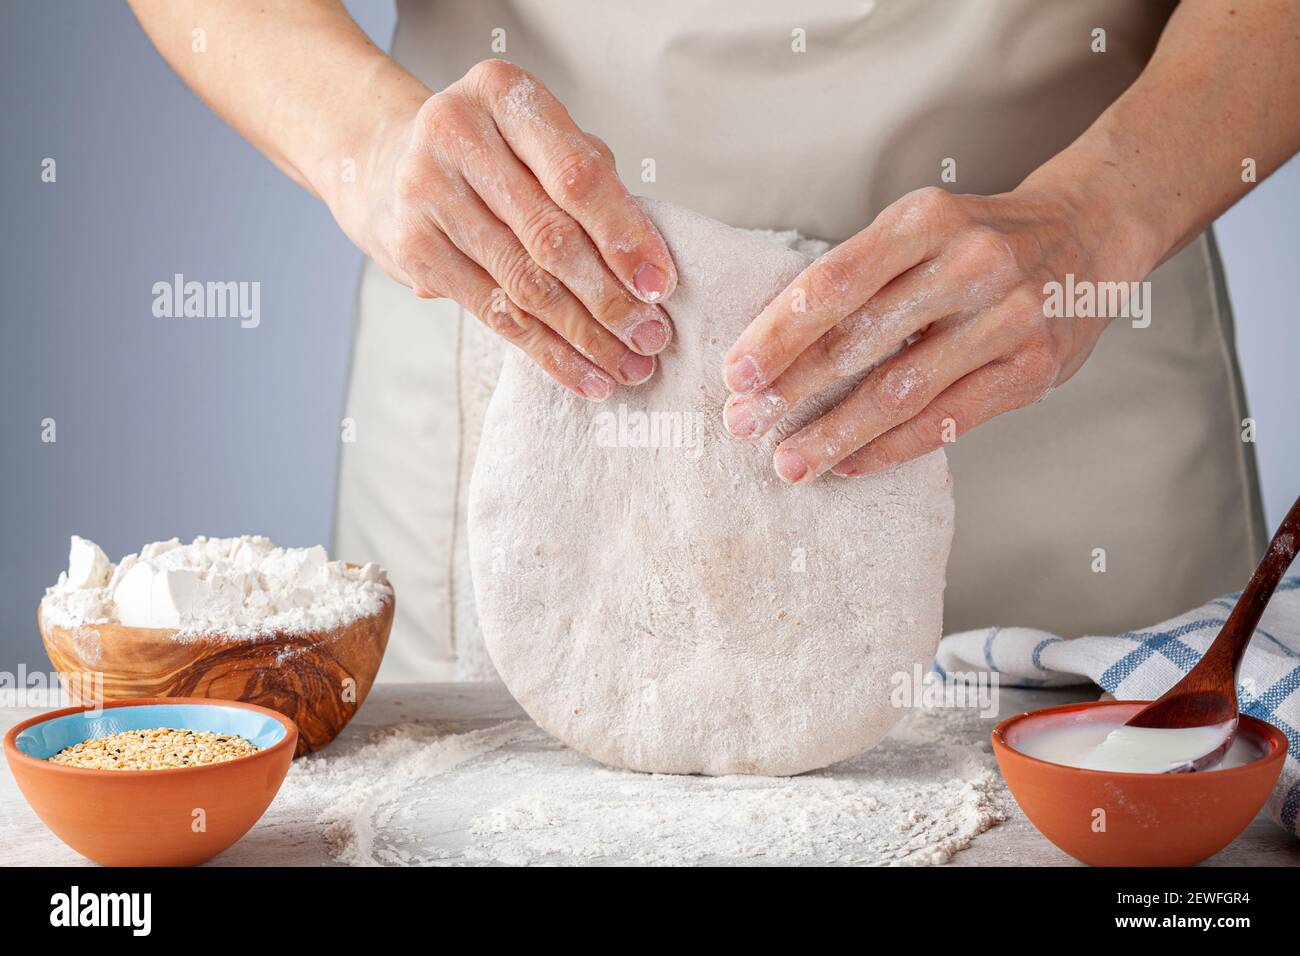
1144, 664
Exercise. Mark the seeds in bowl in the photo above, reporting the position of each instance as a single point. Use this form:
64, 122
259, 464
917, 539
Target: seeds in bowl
157, 748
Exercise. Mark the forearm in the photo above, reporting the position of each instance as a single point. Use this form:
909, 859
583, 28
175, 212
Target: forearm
1166, 158
297, 78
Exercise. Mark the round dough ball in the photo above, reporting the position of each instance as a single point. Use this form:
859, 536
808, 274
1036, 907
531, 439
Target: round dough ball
653, 594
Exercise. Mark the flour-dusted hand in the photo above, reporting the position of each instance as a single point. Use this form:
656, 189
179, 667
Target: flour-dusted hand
489, 194
962, 279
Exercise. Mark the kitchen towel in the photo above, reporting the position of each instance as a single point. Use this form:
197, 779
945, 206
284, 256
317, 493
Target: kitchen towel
1142, 665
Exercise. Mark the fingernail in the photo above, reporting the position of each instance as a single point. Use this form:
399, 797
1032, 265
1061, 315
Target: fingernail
790, 465
595, 387
635, 369
742, 374
740, 420
649, 281
840, 471
650, 336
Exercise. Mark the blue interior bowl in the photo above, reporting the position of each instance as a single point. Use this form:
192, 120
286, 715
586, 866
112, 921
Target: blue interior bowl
45, 739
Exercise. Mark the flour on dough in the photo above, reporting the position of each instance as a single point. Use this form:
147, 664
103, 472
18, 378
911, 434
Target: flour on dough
652, 593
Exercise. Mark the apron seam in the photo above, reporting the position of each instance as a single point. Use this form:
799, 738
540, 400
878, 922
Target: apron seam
1248, 470
454, 539
345, 405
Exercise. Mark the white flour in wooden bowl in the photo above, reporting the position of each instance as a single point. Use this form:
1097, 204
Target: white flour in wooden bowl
241, 587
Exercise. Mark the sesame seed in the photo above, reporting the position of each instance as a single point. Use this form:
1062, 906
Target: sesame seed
158, 748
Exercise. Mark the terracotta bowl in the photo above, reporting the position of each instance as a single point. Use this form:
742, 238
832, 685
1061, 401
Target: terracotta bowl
149, 817
1137, 819
319, 679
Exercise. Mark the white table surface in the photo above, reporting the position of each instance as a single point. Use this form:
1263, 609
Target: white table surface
287, 838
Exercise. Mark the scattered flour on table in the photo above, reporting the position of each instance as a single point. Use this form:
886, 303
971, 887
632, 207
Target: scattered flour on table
354, 795
445, 795
238, 587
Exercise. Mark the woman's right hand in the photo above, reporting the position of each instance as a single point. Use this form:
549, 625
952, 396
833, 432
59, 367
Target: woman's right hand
490, 195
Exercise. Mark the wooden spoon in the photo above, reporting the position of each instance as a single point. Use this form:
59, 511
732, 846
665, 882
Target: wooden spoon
1207, 696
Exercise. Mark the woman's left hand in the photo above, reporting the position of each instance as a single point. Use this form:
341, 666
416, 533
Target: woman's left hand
962, 277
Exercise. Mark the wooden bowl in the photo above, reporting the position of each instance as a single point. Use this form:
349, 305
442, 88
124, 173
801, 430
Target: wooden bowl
1104, 818
317, 679
175, 817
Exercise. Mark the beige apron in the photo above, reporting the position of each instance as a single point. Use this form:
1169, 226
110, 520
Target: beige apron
1135, 466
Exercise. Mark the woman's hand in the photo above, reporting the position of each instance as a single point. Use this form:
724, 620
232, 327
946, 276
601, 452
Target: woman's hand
963, 278
490, 195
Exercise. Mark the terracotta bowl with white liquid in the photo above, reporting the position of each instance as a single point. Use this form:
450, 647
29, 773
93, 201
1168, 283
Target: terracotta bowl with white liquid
1107, 818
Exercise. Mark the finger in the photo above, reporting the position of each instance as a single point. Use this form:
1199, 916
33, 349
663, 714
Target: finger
576, 175
601, 145
557, 243
474, 289
972, 400
908, 304
481, 236
894, 392
833, 287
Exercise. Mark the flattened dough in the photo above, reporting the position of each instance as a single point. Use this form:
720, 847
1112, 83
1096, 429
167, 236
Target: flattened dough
664, 602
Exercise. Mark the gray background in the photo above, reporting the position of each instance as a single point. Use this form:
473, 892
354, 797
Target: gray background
176, 427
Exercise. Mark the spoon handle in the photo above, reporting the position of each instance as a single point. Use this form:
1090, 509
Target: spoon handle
1259, 590
1207, 694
